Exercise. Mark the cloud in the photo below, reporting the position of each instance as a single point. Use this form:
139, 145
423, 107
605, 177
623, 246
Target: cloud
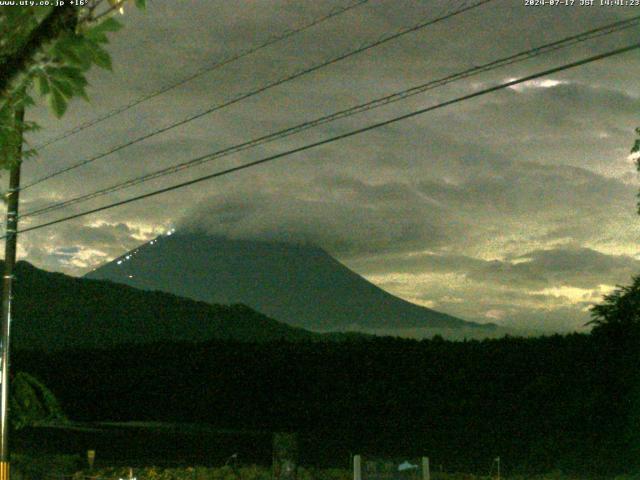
76, 248
540, 290
355, 218
566, 266
490, 207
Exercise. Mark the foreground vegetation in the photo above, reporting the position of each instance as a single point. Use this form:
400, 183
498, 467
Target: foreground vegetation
568, 403
251, 472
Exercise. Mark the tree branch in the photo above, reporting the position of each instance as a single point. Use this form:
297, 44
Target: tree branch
60, 20
110, 10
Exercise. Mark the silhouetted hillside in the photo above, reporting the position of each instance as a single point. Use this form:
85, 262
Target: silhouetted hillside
56, 311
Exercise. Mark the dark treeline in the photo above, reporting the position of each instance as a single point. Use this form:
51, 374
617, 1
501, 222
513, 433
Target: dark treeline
562, 402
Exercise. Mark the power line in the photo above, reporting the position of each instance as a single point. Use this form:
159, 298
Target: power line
512, 59
257, 91
339, 137
262, 89
209, 68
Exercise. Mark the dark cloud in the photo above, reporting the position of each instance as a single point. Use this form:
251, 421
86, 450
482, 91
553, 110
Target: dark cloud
574, 267
355, 218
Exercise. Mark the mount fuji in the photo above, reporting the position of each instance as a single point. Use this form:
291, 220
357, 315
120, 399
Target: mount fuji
301, 285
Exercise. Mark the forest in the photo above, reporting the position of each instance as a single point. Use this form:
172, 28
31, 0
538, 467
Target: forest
569, 403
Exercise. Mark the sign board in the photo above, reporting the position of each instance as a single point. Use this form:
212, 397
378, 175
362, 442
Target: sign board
368, 468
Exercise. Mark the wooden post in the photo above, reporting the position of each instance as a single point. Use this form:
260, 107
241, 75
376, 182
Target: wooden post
426, 473
91, 457
357, 467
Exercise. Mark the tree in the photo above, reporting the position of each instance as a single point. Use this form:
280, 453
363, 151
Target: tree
617, 325
51, 48
620, 310
32, 403
54, 47
617, 330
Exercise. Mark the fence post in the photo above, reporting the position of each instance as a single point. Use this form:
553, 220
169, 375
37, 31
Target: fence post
357, 467
91, 457
285, 456
426, 473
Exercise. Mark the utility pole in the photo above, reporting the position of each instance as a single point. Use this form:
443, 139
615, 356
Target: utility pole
11, 240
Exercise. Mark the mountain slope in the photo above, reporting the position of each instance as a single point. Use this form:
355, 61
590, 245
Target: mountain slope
55, 311
297, 284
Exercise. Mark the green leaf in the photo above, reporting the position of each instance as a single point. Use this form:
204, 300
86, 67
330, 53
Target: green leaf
98, 34
84, 50
42, 84
68, 53
108, 25
73, 75
64, 87
141, 4
57, 102
26, 101
96, 37
101, 58
82, 92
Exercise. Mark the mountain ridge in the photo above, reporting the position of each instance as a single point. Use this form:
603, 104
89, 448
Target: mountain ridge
301, 285
54, 311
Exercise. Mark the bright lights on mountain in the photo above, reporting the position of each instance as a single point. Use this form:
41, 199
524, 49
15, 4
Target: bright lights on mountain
152, 242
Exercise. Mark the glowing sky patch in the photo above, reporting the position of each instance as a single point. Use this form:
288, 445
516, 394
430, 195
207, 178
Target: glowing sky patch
574, 295
537, 83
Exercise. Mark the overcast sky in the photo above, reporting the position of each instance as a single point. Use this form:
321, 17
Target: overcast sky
517, 207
